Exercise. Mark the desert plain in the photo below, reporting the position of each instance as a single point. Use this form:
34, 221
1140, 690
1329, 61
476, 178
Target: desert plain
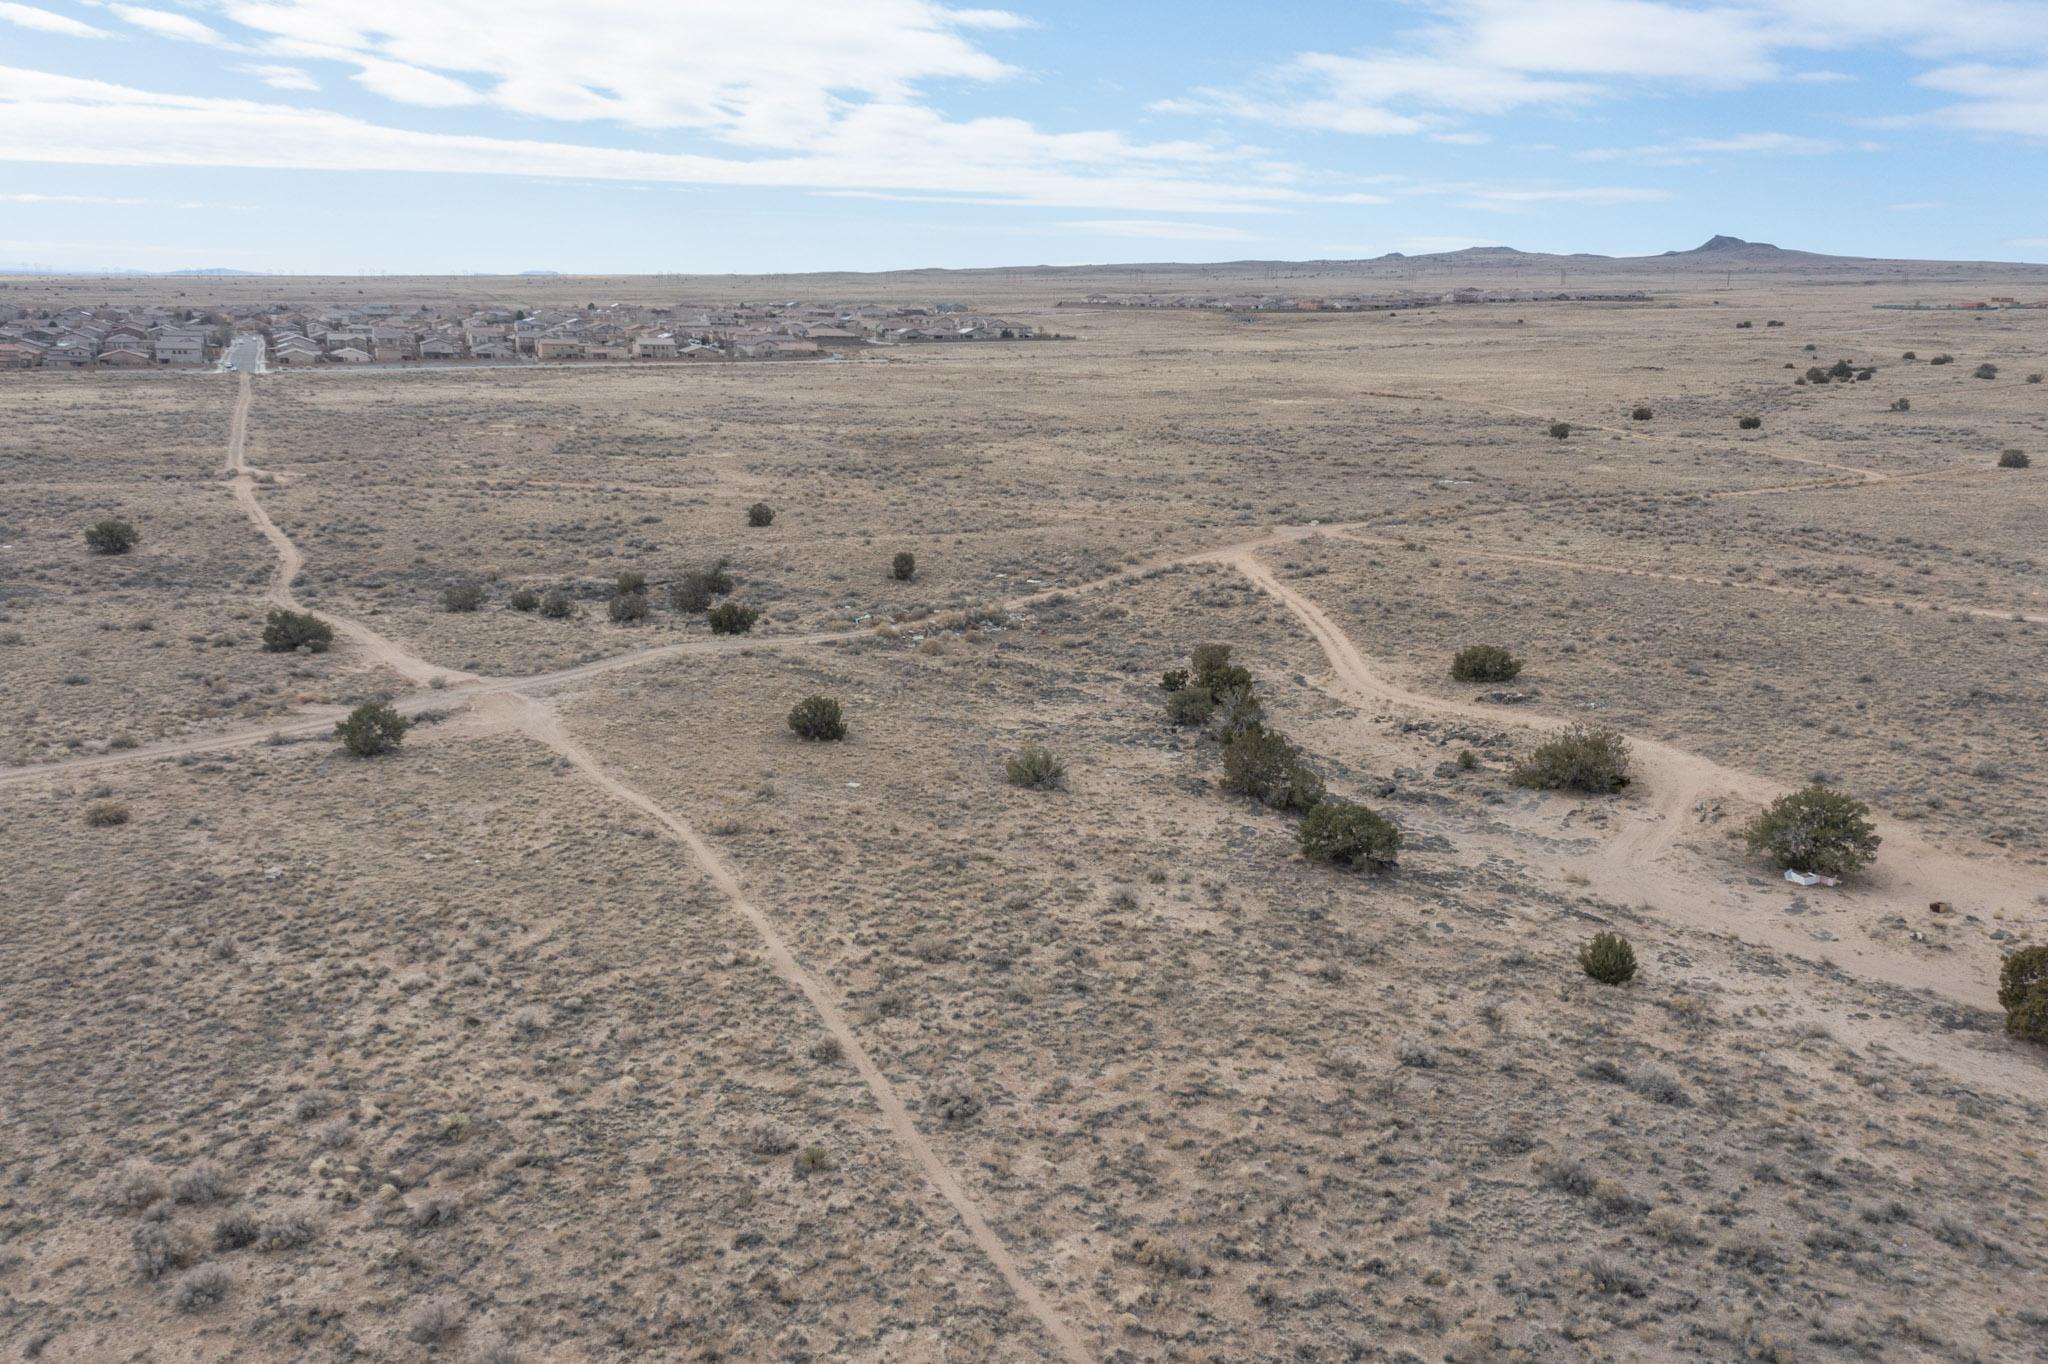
609, 1020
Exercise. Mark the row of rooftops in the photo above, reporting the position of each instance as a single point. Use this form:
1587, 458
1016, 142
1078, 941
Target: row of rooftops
81, 337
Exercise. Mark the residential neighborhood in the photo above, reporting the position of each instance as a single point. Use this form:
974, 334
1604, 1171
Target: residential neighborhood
397, 334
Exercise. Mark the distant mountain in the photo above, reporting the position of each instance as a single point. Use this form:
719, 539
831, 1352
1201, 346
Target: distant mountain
213, 270
539, 274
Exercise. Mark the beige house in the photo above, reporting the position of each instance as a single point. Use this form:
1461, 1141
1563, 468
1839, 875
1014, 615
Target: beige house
661, 347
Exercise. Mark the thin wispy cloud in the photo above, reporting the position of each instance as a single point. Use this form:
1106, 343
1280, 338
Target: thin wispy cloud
46, 21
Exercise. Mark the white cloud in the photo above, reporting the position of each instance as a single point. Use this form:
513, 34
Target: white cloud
769, 76
1160, 230
43, 21
280, 77
165, 24
414, 85
47, 117
1689, 150
1997, 99
1482, 58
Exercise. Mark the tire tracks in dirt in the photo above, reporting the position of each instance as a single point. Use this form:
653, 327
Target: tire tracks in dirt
1633, 865
507, 706
539, 721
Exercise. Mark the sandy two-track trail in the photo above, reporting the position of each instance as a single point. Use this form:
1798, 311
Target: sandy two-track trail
1645, 861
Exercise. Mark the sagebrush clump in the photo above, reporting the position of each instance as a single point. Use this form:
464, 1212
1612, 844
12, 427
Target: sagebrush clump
1641, 414
731, 618
2023, 994
1749, 423
1349, 835
1485, 663
818, 718
1559, 430
286, 631
1262, 764
524, 599
627, 608
557, 604
466, 595
1609, 959
2013, 459
760, 514
111, 535
1578, 758
903, 567
371, 729
1815, 830
1035, 767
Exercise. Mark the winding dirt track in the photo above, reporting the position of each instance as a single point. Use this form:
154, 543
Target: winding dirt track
1629, 867
499, 703
539, 721
1636, 866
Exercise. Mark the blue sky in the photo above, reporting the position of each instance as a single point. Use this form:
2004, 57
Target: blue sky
689, 137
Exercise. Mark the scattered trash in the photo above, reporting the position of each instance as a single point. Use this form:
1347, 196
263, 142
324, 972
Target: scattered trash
1941, 907
1808, 878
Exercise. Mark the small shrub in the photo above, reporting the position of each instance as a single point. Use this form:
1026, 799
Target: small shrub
1909, 355
1744, 326
372, 728
817, 718
812, 1160
234, 1229
138, 1185
2013, 459
204, 1287
105, 814
556, 605
2033, 378
629, 582
524, 599
1985, 371
111, 535
1036, 767
1578, 758
287, 1231
287, 631
1814, 830
1485, 663
760, 514
690, 593
433, 1322
2023, 993
1902, 404
904, 566
717, 579
1190, 706
731, 618
627, 608
1841, 369
466, 595
1237, 711
1559, 430
1214, 670
1641, 414
1349, 835
1774, 323
160, 1248
200, 1183
1262, 764
1942, 360
1749, 423
1608, 958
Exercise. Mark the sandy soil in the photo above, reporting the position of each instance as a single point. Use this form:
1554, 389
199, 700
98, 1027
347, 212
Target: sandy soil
609, 1020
